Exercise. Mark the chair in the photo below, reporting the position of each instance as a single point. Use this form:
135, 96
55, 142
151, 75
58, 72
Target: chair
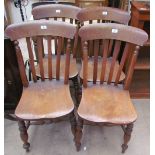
45, 100
107, 103
65, 13
102, 15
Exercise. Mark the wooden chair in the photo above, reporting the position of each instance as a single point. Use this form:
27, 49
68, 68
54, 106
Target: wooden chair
65, 13
107, 103
102, 15
45, 100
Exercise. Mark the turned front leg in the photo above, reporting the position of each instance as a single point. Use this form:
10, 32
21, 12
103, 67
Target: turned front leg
24, 135
127, 136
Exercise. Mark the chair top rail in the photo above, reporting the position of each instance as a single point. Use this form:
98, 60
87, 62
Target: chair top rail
104, 13
55, 10
113, 31
40, 28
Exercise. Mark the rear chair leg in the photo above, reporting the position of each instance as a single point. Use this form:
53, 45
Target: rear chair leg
78, 136
24, 135
73, 123
127, 136
76, 87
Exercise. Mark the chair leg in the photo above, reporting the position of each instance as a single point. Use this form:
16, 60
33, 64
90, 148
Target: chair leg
127, 136
73, 123
78, 136
76, 87
24, 135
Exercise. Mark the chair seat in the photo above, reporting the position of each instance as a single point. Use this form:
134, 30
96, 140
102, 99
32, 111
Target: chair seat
48, 99
106, 103
108, 65
73, 67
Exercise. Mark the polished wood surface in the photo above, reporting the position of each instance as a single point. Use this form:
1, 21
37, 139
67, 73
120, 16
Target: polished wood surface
41, 100
67, 13
55, 10
46, 98
103, 14
73, 71
107, 104
114, 31
99, 69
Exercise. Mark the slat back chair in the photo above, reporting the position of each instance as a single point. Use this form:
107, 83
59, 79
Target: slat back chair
65, 13
103, 102
101, 15
46, 99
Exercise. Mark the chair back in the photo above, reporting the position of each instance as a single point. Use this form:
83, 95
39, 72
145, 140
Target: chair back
39, 29
102, 15
56, 11
62, 12
119, 34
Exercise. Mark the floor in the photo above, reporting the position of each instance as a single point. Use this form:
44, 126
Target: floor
56, 139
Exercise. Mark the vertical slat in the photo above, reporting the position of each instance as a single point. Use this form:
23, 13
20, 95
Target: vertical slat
55, 40
49, 58
55, 18
21, 64
40, 56
42, 44
131, 68
104, 60
96, 50
76, 22
90, 52
67, 63
90, 21
71, 20
63, 19
85, 63
31, 58
58, 59
110, 47
115, 55
75, 43
124, 56
55, 43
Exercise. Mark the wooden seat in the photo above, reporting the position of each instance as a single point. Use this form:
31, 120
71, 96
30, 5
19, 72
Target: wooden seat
105, 101
107, 104
73, 68
102, 15
40, 100
108, 64
44, 100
